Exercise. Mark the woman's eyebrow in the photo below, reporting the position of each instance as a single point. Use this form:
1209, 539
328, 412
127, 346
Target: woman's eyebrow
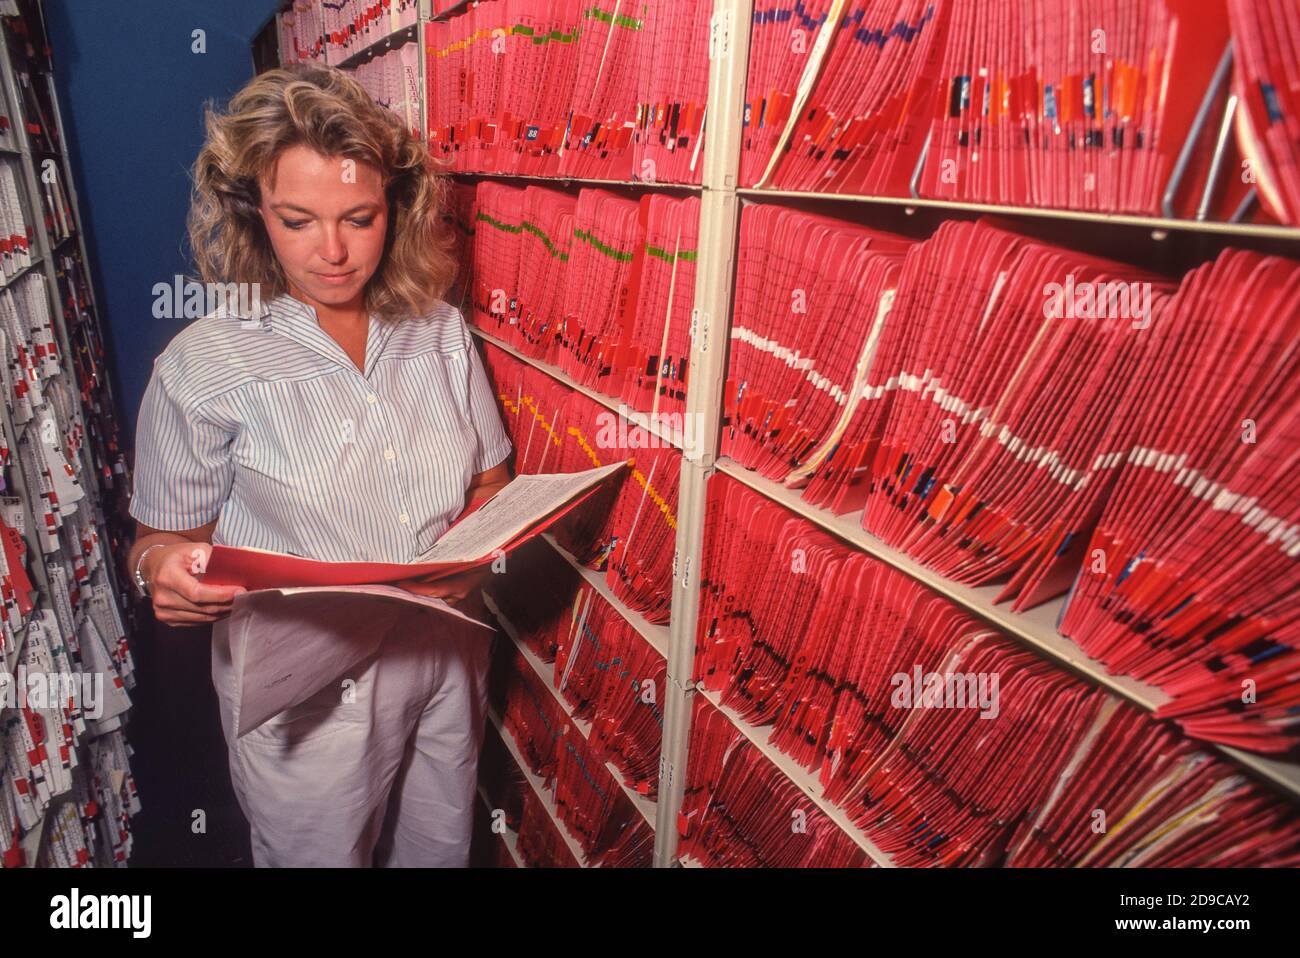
302, 209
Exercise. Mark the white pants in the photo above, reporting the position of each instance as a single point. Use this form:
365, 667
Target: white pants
385, 774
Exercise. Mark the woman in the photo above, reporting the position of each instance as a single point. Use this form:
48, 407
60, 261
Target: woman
348, 419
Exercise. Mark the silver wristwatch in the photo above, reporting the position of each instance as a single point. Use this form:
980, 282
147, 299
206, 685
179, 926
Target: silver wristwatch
140, 583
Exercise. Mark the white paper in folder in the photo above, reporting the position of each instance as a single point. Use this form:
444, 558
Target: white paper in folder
297, 641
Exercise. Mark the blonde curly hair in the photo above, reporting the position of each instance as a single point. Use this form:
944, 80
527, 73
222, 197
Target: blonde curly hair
327, 110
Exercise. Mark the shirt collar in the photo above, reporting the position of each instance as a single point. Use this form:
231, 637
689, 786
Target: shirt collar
296, 320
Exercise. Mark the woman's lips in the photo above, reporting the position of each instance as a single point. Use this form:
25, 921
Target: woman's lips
336, 279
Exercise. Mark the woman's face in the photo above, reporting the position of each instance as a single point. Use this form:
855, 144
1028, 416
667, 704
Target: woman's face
326, 217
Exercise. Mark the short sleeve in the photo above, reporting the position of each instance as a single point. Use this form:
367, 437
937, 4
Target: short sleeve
493, 442
183, 465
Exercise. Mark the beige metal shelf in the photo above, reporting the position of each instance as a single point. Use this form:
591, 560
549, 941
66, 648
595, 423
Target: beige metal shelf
399, 37
7, 281
43, 263
656, 635
539, 788
580, 180
455, 10
1156, 223
1036, 628
635, 416
801, 777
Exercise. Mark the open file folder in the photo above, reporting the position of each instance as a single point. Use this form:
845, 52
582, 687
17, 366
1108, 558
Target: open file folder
523, 509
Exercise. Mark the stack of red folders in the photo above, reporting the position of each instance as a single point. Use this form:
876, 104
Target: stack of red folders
1046, 103
1019, 415
1266, 81
803, 283
612, 678
1190, 580
652, 361
740, 811
588, 802
947, 743
1068, 104
847, 114
516, 806
616, 681
600, 285
644, 534
598, 314
961, 390
630, 530
1152, 800
569, 89
989, 414
500, 264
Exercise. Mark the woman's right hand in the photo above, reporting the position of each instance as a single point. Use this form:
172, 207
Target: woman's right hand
179, 598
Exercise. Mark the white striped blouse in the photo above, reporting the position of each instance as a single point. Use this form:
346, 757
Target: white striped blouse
269, 427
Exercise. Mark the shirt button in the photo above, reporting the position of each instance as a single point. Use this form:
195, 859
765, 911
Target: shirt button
390, 453
403, 518
372, 399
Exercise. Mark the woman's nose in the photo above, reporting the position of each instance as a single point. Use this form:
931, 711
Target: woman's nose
332, 249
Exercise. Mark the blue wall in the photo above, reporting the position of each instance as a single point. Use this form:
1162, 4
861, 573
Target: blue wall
132, 93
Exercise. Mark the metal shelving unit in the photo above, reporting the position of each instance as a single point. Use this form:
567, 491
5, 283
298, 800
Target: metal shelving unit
718, 242
43, 258
46, 251
714, 272
80, 237
721, 201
